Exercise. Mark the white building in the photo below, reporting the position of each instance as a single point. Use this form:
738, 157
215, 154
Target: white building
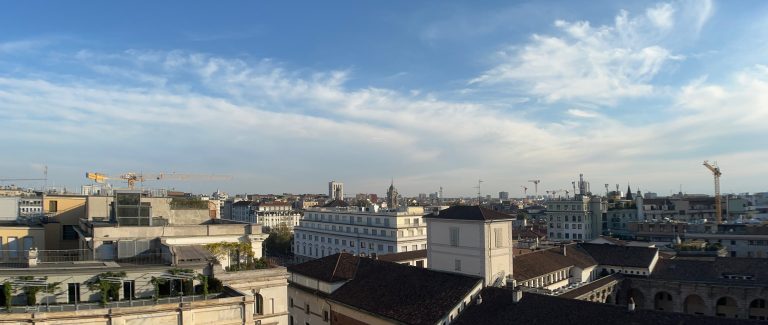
9, 208
471, 240
30, 206
268, 214
335, 190
579, 218
338, 228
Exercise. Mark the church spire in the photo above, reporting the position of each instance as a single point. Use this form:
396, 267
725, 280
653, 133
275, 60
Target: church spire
629, 192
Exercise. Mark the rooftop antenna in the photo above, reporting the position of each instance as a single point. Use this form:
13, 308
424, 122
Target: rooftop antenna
606, 189
479, 193
574, 188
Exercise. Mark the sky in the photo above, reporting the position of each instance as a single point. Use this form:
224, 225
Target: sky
285, 97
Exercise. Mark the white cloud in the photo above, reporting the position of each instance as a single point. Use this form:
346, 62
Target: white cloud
661, 15
594, 65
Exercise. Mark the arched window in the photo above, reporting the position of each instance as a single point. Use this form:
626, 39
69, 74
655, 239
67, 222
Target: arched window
258, 304
663, 301
727, 307
757, 310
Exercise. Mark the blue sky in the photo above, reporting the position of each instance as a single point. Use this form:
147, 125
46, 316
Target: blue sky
285, 97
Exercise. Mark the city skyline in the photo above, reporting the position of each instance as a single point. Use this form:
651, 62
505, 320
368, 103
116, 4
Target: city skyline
431, 94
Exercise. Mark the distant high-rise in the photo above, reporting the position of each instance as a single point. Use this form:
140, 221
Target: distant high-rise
335, 190
503, 196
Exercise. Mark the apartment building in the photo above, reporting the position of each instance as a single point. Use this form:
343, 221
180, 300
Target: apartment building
340, 228
578, 218
268, 214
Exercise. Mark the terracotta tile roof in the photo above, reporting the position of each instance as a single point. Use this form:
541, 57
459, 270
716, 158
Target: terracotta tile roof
333, 268
627, 256
538, 263
404, 256
541, 262
575, 293
499, 308
402, 293
469, 212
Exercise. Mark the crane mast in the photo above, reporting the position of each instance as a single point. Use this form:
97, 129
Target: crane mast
535, 186
716, 173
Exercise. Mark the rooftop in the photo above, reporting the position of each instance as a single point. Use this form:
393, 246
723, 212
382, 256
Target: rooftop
469, 212
627, 256
404, 256
498, 307
377, 286
725, 270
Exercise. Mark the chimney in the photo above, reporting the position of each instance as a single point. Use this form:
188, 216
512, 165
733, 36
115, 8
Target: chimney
517, 295
631, 305
565, 250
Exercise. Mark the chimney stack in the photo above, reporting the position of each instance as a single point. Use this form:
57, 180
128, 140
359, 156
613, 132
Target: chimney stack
517, 295
565, 250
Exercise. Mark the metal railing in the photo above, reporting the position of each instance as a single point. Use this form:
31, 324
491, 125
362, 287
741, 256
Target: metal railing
60, 256
115, 304
146, 259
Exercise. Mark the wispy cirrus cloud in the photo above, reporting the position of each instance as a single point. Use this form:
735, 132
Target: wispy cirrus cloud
596, 65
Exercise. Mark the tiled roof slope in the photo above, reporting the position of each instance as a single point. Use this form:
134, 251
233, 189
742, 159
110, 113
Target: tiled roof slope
332, 268
499, 308
402, 293
469, 212
716, 271
404, 256
538, 263
541, 262
627, 256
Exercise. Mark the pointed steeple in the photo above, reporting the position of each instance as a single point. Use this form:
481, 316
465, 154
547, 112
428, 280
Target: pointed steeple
629, 193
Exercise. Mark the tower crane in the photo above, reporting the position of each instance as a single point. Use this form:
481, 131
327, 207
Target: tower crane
132, 178
535, 186
525, 190
716, 173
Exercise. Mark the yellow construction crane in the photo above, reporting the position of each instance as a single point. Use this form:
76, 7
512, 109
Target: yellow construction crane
716, 172
132, 178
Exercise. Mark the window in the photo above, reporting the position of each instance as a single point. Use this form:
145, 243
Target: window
291, 301
53, 206
307, 310
381, 247
404, 248
454, 236
457, 265
414, 247
73, 293
13, 247
497, 237
390, 249
325, 315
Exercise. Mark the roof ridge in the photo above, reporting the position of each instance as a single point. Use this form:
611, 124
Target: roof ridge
336, 266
